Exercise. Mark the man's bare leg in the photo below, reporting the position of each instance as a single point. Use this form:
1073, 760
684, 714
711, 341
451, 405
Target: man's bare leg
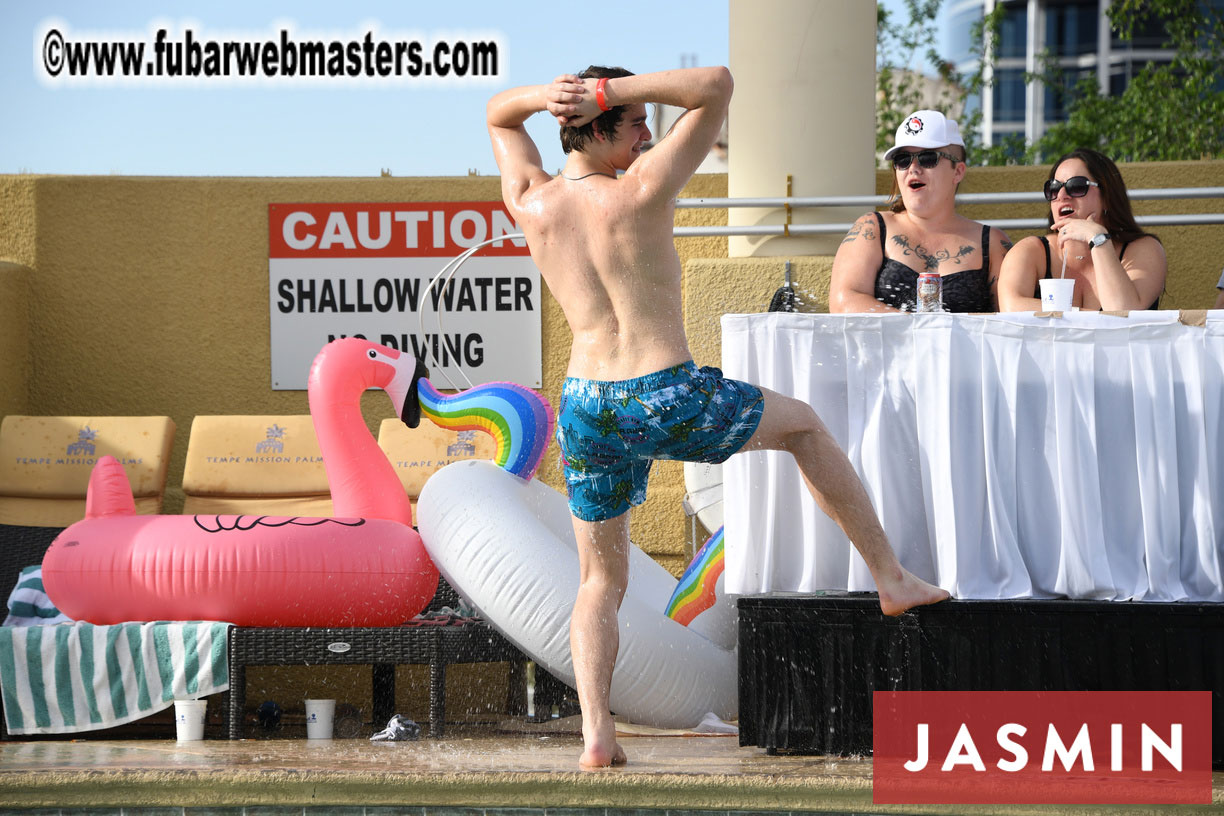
791, 425
603, 562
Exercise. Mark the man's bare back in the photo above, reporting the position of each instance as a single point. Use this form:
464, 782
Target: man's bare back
620, 285
604, 243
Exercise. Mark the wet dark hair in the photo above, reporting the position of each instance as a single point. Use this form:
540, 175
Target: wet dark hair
1117, 217
575, 138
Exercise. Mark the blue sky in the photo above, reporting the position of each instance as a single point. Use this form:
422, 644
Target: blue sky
212, 129
217, 129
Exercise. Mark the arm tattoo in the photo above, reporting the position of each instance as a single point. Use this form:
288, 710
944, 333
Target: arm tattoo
930, 260
1007, 245
859, 228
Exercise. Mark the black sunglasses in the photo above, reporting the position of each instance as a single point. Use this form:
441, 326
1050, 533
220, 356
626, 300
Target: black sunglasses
926, 159
1077, 187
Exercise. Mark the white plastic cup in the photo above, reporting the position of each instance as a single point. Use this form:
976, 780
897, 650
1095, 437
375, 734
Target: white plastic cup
320, 715
189, 719
1056, 294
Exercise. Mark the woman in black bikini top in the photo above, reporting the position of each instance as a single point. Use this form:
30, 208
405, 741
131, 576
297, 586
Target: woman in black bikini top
964, 290
1116, 266
878, 263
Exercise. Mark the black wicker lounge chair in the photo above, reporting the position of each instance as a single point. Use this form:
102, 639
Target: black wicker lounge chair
436, 640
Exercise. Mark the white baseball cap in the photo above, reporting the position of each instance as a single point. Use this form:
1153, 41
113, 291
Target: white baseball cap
926, 129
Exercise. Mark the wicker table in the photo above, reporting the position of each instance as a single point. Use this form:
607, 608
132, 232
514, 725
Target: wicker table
433, 642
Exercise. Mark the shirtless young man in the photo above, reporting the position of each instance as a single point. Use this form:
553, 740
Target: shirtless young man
603, 243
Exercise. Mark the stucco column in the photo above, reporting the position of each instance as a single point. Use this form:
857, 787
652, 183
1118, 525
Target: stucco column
804, 105
14, 337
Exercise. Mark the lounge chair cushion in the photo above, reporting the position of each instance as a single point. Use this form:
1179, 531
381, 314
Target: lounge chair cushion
269, 465
45, 462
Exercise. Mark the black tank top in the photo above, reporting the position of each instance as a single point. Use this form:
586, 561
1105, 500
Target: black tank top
966, 290
1046, 243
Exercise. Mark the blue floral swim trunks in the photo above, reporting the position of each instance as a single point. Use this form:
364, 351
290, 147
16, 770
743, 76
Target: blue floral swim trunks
610, 432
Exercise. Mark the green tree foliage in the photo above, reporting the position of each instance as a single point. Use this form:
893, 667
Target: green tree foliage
1169, 111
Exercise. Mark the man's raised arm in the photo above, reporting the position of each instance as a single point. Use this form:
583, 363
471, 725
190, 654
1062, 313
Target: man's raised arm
516, 154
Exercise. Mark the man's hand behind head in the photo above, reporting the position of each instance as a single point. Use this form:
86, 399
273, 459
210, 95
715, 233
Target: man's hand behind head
571, 102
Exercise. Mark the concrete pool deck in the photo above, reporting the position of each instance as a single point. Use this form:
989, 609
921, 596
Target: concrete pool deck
468, 772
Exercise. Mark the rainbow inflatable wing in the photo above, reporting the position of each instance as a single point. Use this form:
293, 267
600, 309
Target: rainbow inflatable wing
519, 420
695, 593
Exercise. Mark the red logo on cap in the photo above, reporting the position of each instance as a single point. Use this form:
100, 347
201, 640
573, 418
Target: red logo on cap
913, 125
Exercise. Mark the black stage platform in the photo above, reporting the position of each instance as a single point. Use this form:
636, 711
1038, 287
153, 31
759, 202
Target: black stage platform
808, 664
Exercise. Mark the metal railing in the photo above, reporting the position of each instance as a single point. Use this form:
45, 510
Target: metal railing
874, 201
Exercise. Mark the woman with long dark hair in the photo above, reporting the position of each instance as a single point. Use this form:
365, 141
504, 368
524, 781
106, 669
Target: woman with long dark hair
1093, 240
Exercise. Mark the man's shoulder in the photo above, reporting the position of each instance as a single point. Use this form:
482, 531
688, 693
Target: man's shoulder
525, 200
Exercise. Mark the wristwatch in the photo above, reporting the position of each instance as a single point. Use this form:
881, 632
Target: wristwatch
1099, 239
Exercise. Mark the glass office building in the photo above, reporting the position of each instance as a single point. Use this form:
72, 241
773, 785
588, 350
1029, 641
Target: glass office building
1071, 36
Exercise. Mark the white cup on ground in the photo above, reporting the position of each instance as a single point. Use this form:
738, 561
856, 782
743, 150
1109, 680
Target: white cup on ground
1056, 294
320, 715
189, 719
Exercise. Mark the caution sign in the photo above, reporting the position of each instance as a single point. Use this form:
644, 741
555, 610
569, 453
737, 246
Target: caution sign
363, 270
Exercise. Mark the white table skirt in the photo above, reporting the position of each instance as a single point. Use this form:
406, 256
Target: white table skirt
1008, 456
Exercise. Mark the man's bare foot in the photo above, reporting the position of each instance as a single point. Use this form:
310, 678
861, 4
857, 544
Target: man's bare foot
593, 758
601, 748
907, 592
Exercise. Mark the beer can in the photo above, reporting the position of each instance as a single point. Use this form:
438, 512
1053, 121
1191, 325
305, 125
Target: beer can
930, 292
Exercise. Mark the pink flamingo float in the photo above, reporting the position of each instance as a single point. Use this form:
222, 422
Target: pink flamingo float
365, 567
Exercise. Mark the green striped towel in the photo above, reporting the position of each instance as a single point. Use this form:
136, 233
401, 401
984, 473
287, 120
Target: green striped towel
79, 677
28, 603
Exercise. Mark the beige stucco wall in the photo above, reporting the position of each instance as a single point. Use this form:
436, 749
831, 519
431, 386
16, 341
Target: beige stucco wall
149, 295
14, 337
17, 235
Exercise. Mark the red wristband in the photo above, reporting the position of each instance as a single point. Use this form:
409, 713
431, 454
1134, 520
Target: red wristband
600, 98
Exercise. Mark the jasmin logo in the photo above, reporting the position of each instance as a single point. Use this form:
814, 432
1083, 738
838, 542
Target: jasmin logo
464, 445
1079, 747
274, 442
964, 751
84, 446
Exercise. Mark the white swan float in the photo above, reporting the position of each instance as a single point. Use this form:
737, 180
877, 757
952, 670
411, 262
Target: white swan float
507, 546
